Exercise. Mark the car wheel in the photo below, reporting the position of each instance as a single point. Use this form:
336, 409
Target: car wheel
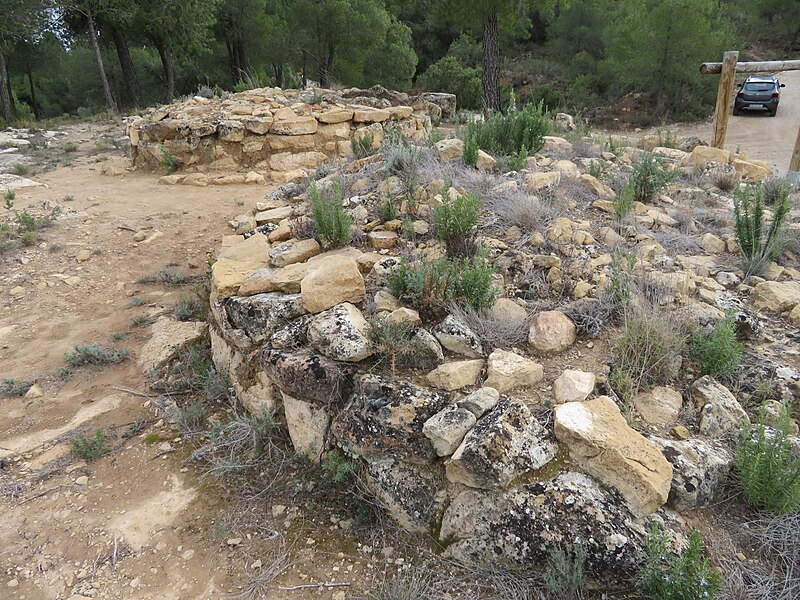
736, 112
772, 113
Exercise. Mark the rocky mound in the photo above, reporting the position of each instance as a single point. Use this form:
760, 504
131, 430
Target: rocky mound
273, 133
498, 428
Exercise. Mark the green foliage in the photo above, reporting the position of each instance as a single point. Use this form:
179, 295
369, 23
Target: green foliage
361, 145
89, 448
717, 352
12, 388
450, 76
141, 321
429, 286
188, 308
620, 283
167, 161
623, 203
333, 225
337, 468
21, 169
649, 177
388, 211
506, 135
767, 467
393, 343
8, 198
667, 576
94, 354
518, 161
454, 221
26, 221
758, 242
595, 169
776, 190
69, 147
192, 416
470, 155
564, 575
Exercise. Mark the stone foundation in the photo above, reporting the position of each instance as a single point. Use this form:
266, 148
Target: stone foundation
274, 134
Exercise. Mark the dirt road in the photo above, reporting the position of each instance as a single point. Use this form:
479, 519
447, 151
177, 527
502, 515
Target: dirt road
755, 133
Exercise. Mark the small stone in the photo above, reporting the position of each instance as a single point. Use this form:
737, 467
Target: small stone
456, 375
481, 401
447, 428
573, 386
83, 255
234, 541
140, 236
35, 391
680, 432
188, 555
507, 370
82, 480
551, 332
659, 406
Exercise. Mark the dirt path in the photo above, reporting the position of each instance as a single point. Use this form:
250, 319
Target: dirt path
755, 133
136, 523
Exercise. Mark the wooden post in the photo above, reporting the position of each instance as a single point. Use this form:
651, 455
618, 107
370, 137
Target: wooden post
794, 164
723, 108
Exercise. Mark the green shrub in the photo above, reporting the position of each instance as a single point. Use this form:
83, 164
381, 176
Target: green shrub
168, 162
361, 145
564, 575
192, 416
717, 352
394, 345
333, 226
506, 135
595, 169
758, 242
89, 448
94, 354
776, 189
21, 169
454, 222
470, 155
388, 211
337, 468
518, 161
13, 388
667, 576
8, 198
70, 147
188, 308
649, 177
648, 349
429, 286
449, 75
623, 203
620, 282
26, 221
141, 321
28, 238
766, 465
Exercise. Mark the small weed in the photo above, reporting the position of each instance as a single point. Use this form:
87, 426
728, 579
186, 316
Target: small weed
94, 354
649, 177
118, 336
167, 276
238, 201
167, 162
667, 576
69, 198
470, 155
332, 224
393, 343
8, 198
13, 388
564, 572
623, 203
718, 352
21, 169
188, 308
361, 145
337, 468
388, 211
89, 448
54, 248
64, 373
775, 190
136, 301
725, 179
28, 238
595, 169
620, 282
518, 161
97, 251
192, 417
26, 221
759, 243
141, 321
70, 147
513, 133
454, 222
152, 438
766, 465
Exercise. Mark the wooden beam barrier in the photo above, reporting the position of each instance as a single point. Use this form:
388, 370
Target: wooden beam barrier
794, 164
724, 92
767, 66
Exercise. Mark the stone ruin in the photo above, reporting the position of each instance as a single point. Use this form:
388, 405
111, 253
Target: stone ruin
275, 134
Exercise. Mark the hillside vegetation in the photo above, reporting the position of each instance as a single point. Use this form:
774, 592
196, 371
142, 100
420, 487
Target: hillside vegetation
78, 57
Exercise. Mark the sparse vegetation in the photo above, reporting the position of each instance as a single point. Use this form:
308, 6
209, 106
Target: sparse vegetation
168, 276
21, 169
668, 576
361, 144
94, 354
564, 576
332, 224
454, 222
188, 308
394, 344
717, 352
141, 321
70, 147
725, 179
13, 388
470, 155
192, 416
89, 448
403, 160
167, 161
759, 243
595, 169
510, 134
767, 466
776, 189
136, 301
8, 198
623, 203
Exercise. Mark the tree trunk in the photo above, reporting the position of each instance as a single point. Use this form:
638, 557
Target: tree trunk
278, 69
491, 63
231, 60
305, 77
327, 68
112, 106
125, 62
241, 59
35, 105
6, 108
168, 63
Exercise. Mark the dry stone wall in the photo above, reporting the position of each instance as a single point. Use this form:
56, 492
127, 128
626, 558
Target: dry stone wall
271, 133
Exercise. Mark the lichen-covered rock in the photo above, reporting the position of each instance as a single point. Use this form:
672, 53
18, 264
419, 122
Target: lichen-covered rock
573, 386
260, 315
601, 443
340, 333
293, 252
447, 428
699, 469
428, 352
308, 424
503, 446
456, 336
480, 401
508, 370
308, 375
449, 149
168, 338
720, 411
409, 493
551, 332
286, 280
330, 281
456, 375
386, 417
524, 525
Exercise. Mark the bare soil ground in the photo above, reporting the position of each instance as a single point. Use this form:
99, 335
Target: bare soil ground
137, 523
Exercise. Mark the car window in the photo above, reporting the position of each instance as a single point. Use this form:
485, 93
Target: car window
759, 87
